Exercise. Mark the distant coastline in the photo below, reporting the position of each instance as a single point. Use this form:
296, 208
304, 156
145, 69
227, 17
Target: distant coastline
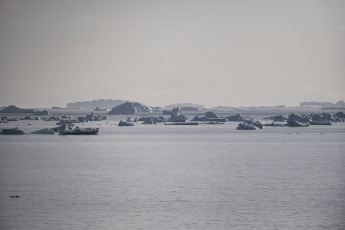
56, 107
339, 104
192, 107
101, 103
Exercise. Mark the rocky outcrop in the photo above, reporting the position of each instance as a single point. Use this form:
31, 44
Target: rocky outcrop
80, 131
44, 131
340, 115
245, 126
54, 118
176, 111
237, 117
296, 120
93, 117
148, 120
42, 113
125, 123
31, 118
15, 109
177, 116
297, 124
199, 118
250, 125
277, 118
12, 131
6, 119
63, 127
212, 117
321, 123
130, 108
68, 122
209, 116
321, 119
257, 124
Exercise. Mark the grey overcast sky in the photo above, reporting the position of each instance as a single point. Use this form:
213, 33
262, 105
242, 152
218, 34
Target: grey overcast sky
232, 53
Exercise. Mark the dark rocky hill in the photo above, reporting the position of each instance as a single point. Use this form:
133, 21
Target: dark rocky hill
130, 108
102, 103
15, 109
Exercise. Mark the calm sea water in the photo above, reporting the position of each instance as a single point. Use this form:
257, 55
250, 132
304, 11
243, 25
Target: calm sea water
173, 177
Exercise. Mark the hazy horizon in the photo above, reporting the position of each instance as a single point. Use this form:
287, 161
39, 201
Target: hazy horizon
230, 53
165, 105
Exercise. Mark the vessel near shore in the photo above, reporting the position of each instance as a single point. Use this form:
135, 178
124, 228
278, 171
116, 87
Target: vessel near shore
181, 123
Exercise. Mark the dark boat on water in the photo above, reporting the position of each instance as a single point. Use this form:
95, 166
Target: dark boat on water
181, 123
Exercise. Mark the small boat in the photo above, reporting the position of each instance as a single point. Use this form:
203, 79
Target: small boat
80, 131
181, 123
321, 123
149, 121
246, 126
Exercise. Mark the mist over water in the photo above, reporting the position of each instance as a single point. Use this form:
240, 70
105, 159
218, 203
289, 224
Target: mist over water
174, 177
